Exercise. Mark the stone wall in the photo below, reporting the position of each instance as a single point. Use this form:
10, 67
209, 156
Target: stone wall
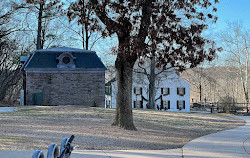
84, 89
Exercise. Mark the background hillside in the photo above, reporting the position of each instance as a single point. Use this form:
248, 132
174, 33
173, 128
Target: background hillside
212, 84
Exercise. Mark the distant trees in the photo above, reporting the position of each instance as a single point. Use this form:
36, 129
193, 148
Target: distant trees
83, 12
203, 84
237, 44
10, 73
217, 82
9, 67
45, 11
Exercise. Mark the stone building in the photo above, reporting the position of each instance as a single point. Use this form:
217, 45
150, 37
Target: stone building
64, 76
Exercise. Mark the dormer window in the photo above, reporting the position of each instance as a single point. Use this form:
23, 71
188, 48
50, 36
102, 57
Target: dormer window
66, 60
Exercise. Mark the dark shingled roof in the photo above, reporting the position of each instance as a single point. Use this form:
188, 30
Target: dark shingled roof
46, 58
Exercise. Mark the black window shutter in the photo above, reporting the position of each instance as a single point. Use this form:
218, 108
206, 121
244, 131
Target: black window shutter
168, 91
183, 104
161, 90
184, 91
134, 104
134, 90
178, 91
141, 104
141, 90
169, 104
177, 104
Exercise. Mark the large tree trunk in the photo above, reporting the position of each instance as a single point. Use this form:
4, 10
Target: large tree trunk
152, 77
124, 117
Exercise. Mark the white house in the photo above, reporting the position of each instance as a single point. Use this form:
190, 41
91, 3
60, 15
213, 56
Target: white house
172, 92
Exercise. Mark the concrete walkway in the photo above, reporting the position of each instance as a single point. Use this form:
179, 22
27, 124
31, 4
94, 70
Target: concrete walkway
7, 109
173, 153
233, 143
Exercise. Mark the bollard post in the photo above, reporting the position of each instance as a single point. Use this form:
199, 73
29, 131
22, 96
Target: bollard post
21, 97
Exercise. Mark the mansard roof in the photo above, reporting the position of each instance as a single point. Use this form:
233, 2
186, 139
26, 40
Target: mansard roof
48, 58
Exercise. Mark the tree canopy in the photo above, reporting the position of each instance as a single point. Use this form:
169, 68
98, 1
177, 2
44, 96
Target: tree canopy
169, 30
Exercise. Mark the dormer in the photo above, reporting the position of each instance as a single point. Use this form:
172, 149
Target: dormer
66, 60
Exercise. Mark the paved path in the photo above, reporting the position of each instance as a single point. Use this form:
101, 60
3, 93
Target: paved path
233, 143
173, 153
7, 109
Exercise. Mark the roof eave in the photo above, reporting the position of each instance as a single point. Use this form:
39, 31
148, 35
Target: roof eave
26, 63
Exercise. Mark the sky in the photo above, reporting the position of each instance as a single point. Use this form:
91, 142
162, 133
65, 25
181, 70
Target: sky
232, 10
229, 11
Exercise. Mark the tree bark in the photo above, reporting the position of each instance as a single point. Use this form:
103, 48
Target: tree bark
200, 92
124, 117
152, 77
125, 58
87, 36
39, 31
83, 38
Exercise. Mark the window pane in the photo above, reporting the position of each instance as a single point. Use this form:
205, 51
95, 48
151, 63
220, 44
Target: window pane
181, 91
165, 91
137, 90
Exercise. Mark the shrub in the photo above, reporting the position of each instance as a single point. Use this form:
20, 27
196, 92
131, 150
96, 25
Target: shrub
227, 103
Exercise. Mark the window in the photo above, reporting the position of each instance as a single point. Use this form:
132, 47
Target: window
181, 91
165, 91
66, 60
108, 90
107, 103
138, 104
180, 104
138, 90
166, 104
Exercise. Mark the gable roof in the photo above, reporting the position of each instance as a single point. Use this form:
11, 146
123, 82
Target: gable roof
110, 81
46, 58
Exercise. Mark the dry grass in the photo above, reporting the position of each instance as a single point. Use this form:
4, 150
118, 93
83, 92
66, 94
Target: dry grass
35, 127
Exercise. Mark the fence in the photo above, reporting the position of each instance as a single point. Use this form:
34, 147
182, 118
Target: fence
217, 107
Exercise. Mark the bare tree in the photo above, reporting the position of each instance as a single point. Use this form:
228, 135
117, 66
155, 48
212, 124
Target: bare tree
83, 12
237, 44
10, 74
46, 11
150, 68
9, 69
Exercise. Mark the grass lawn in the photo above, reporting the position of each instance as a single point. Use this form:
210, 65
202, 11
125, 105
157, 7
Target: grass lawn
35, 127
